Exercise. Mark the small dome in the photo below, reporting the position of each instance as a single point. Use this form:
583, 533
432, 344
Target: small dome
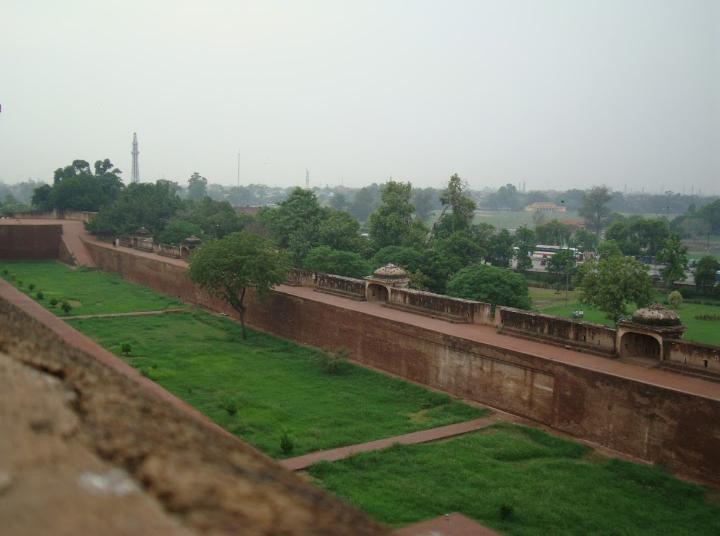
390, 271
142, 232
192, 240
656, 315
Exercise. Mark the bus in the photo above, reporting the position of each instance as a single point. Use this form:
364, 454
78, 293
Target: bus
544, 252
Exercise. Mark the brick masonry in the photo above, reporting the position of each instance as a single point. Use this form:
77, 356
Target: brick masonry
664, 424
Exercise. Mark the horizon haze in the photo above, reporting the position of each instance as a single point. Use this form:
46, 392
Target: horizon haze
554, 94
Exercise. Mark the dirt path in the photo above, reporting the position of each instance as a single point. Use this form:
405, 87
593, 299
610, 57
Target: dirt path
424, 436
133, 313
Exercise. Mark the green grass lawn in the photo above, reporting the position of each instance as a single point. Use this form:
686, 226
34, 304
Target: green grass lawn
87, 291
544, 484
260, 387
550, 302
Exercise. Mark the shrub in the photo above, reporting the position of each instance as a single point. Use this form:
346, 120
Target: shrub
506, 511
287, 445
229, 404
53, 302
20, 283
40, 295
66, 307
675, 299
125, 348
708, 316
336, 362
31, 286
5, 272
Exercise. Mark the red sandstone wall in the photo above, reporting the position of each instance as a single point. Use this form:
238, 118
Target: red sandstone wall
646, 421
584, 335
30, 242
693, 355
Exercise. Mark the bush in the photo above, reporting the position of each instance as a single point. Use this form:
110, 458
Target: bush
66, 307
287, 445
229, 404
675, 299
40, 295
53, 302
506, 511
498, 286
125, 348
31, 286
711, 317
5, 272
336, 362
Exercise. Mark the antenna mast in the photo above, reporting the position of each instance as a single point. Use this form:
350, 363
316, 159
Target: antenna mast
135, 176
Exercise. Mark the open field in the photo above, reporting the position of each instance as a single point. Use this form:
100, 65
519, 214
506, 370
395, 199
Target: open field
550, 302
259, 387
520, 481
88, 291
256, 388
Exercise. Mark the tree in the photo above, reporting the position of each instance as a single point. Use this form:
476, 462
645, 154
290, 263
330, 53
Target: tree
614, 281
332, 261
562, 264
424, 200
553, 233
340, 230
197, 186
76, 187
364, 202
338, 201
501, 252
585, 240
391, 223
295, 224
490, 284
524, 240
42, 198
594, 208
139, 205
458, 209
674, 256
227, 267
705, 272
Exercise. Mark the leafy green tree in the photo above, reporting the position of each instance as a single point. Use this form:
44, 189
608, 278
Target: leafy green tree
338, 201
392, 221
501, 251
339, 230
332, 261
497, 286
139, 205
42, 198
458, 209
585, 240
197, 186
227, 267
674, 256
609, 248
178, 230
363, 203
409, 259
524, 240
460, 249
595, 208
705, 272
424, 200
554, 233
295, 224
216, 219
76, 187
612, 282
562, 266
637, 235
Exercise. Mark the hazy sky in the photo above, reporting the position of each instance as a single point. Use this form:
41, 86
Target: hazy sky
564, 93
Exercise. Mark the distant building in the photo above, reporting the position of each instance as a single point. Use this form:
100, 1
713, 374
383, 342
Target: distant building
544, 207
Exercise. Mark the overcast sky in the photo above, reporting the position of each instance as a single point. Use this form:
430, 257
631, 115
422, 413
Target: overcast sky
556, 94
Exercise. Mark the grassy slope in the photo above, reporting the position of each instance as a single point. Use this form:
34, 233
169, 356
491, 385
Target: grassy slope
554, 486
88, 291
272, 383
705, 331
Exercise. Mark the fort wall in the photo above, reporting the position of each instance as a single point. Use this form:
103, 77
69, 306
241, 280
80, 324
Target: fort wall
587, 336
649, 421
30, 242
